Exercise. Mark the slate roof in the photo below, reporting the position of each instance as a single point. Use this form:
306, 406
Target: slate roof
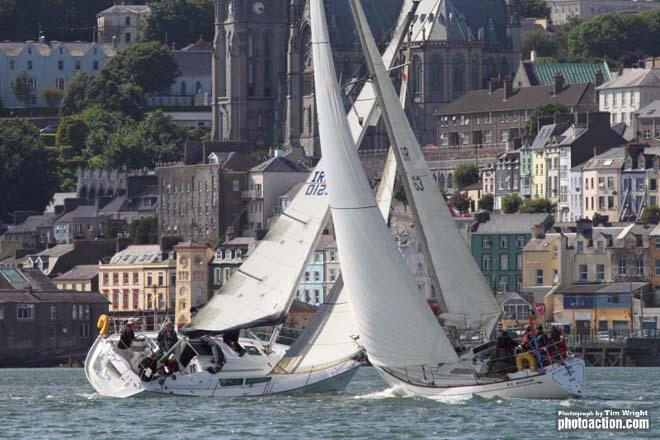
76, 48
138, 254
280, 164
55, 251
598, 288
82, 272
194, 63
381, 15
33, 222
511, 223
611, 159
126, 9
650, 111
541, 244
525, 98
58, 199
546, 132
634, 78
84, 211
439, 20
543, 74
11, 279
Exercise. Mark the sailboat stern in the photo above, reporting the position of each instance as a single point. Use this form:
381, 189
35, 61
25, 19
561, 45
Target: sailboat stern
570, 376
110, 373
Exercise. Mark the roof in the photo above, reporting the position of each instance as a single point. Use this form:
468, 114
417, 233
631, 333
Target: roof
611, 159
33, 222
139, 254
75, 48
298, 306
511, 223
543, 74
12, 279
194, 62
82, 272
634, 78
55, 251
200, 44
293, 191
381, 15
58, 199
650, 111
70, 296
655, 232
84, 211
126, 9
280, 164
475, 186
546, 133
599, 288
619, 128
541, 244
525, 98
240, 241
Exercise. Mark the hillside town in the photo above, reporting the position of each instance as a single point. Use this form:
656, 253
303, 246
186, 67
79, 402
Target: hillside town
141, 170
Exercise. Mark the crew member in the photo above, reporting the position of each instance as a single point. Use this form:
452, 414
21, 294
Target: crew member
148, 367
167, 338
540, 344
526, 343
559, 343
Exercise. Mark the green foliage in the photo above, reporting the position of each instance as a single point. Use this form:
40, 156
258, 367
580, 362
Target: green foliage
22, 89
72, 132
127, 98
531, 125
465, 175
511, 203
144, 231
538, 205
260, 155
180, 21
460, 201
651, 214
75, 92
487, 202
534, 9
27, 169
52, 96
149, 65
61, 20
545, 44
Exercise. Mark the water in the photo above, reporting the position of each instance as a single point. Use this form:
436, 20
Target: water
60, 404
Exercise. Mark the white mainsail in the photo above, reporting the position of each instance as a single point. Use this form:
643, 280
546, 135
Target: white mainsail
260, 292
465, 296
396, 326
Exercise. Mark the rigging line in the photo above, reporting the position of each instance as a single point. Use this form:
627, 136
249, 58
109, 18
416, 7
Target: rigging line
355, 207
239, 270
294, 218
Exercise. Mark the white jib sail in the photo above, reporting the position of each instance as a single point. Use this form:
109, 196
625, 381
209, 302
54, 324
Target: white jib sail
260, 292
395, 323
464, 291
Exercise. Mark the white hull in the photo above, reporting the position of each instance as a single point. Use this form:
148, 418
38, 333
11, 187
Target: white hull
111, 375
558, 382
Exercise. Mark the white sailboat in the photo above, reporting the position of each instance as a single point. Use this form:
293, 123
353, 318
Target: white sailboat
403, 339
326, 355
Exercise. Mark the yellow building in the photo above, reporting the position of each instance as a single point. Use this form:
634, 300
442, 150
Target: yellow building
140, 283
538, 172
192, 278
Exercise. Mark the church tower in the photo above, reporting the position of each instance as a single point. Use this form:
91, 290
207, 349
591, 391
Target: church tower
192, 284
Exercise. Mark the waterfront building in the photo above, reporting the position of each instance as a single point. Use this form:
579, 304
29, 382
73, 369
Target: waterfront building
562, 10
138, 204
94, 183
626, 94
543, 257
82, 278
534, 73
41, 326
84, 223
228, 258
61, 258
601, 184
497, 242
648, 124
121, 25
47, 64
507, 176
33, 232
140, 282
192, 279
311, 286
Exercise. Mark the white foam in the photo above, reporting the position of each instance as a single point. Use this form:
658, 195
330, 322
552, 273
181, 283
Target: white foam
390, 393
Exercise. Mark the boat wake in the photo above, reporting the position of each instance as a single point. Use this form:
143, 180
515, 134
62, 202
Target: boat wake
396, 392
90, 396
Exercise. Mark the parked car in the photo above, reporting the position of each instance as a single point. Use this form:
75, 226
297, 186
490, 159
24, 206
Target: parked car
50, 129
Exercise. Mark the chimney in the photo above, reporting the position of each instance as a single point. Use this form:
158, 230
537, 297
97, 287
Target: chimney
230, 234
599, 77
492, 85
558, 84
114, 41
532, 55
538, 231
584, 227
508, 87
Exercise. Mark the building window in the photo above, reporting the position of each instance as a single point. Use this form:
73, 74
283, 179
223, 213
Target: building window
622, 266
640, 266
29, 65
317, 277
584, 274
60, 65
12, 65
307, 277
2, 311
78, 65
128, 37
485, 262
600, 272
436, 75
504, 262
539, 277
128, 21
504, 283
657, 267
332, 275
520, 241
417, 77
504, 242
580, 247
53, 313
25, 311
333, 256
519, 261
486, 242
95, 65
600, 247
458, 75
53, 332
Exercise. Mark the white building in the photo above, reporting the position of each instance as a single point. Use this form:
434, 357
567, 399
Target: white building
47, 64
121, 24
562, 10
574, 196
626, 94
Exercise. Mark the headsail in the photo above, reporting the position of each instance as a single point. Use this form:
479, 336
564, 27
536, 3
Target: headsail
259, 293
465, 294
382, 293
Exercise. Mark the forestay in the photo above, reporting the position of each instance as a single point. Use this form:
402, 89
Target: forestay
464, 294
260, 292
395, 324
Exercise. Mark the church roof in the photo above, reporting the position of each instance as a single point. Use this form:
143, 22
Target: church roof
381, 14
194, 63
439, 20
543, 74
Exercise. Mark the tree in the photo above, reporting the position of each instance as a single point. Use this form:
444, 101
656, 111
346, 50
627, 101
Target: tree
487, 202
460, 201
127, 98
534, 9
71, 136
75, 92
180, 21
27, 169
22, 88
149, 65
465, 175
538, 205
651, 214
511, 203
101, 124
545, 44
551, 109
144, 231
52, 96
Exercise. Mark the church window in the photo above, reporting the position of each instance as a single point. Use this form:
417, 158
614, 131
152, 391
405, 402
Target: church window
458, 75
268, 38
436, 75
183, 88
475, 73
417, 77
504, 68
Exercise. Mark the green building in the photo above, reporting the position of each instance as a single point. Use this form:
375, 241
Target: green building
497, 242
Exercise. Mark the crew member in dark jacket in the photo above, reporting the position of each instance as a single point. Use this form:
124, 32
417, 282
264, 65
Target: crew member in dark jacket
167, 338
